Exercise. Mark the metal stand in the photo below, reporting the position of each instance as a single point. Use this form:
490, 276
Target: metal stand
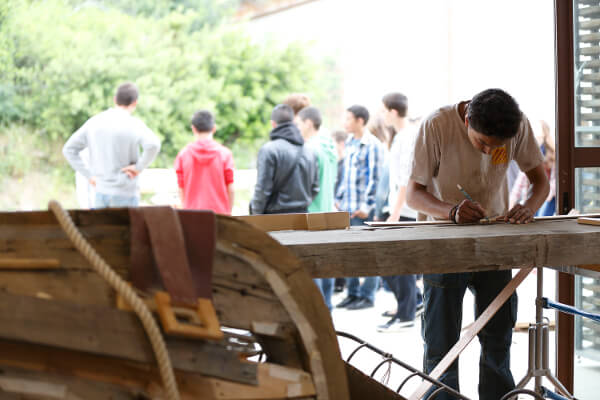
538, 347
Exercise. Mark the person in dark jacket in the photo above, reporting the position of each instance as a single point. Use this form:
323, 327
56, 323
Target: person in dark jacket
287, 171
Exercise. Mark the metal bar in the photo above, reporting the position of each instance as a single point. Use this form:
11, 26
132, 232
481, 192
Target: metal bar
570, 310
408, 367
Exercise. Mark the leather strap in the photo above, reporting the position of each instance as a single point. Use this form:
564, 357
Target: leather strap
179, 247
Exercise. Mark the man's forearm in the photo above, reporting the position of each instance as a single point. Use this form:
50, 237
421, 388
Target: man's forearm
538, 196
231, 192
419, 199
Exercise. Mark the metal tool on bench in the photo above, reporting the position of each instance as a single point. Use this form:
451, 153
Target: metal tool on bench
175, 250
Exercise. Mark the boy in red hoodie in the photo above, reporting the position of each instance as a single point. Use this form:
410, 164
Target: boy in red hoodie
205, 169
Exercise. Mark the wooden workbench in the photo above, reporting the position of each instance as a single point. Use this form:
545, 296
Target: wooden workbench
364, 251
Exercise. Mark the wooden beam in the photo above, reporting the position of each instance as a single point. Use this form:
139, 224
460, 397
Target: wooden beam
110, 332
274, 382
298, 222
364, 251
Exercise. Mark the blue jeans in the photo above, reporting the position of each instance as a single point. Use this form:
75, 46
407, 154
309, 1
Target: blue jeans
441, 323
325, 285
112, 201
369, 286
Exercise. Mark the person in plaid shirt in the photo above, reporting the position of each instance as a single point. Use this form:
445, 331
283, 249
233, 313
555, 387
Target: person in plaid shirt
356, 193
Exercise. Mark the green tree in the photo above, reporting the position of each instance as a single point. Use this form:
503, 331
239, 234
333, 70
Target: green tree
64, 59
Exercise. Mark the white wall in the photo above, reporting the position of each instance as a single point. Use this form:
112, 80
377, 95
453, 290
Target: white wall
435, 51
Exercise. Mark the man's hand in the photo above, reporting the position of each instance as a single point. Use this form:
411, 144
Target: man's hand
130, 171
93, 181
519, 214
359, 214
469, 211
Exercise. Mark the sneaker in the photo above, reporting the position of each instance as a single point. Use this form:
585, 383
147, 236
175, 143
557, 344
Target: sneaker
347, 301
419, 310
395, 325
360, 304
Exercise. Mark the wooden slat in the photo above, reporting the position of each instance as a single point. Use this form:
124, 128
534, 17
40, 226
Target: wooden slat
275, 382
590, 24
589, 11
28, 263
590, 51
595, 77
589, 38
110, 332
298, 222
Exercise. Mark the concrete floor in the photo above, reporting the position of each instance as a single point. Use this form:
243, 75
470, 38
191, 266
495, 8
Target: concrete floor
408, 345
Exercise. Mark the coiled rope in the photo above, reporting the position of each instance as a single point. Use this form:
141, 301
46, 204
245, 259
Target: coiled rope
128, 294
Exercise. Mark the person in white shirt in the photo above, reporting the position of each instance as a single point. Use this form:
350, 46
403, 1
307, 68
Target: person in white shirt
404, 287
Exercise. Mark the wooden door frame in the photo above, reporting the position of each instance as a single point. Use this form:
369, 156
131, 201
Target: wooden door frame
569, 158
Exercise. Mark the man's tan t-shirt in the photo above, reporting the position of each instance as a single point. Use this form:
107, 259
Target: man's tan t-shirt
445, 157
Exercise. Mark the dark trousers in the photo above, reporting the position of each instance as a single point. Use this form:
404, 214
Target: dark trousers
370, 283
442, 318
407, 294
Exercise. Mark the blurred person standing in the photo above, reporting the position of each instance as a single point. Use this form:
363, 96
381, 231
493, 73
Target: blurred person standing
309, 121
114, 138
297, 101
205, 169
522, 187
339, 137
287, 170
356, 194
404, 287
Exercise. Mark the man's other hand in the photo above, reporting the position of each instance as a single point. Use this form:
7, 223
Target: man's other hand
519, 215
469, 211
93, 181
130, 171
359, 214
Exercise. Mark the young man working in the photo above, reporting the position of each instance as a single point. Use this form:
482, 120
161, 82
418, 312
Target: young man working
471, 144
205, 169
287, 171
356, 193
404, 287
114, 138
308, 121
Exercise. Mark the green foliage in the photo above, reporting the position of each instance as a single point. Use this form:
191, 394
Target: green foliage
60, 62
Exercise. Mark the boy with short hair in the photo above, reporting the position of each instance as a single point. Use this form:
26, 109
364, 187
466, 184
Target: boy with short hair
205, 169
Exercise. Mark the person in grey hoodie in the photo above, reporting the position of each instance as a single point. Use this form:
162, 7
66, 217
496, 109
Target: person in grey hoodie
114, 138
287, 170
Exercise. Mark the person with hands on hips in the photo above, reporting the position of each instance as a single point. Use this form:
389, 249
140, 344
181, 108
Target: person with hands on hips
472, 143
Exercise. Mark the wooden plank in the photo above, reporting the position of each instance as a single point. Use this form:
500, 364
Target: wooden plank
298, 294
275, 382
470, 334
443, 249
28, 263
299, 222
110, 332
588, 221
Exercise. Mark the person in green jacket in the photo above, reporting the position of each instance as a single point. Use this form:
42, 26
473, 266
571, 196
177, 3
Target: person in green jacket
309, 121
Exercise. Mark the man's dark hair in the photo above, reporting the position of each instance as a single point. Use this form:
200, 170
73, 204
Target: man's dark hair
203, 121
312, 114
282, 113
340, 136
359, 112
126, 94
396, 101
494, 112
